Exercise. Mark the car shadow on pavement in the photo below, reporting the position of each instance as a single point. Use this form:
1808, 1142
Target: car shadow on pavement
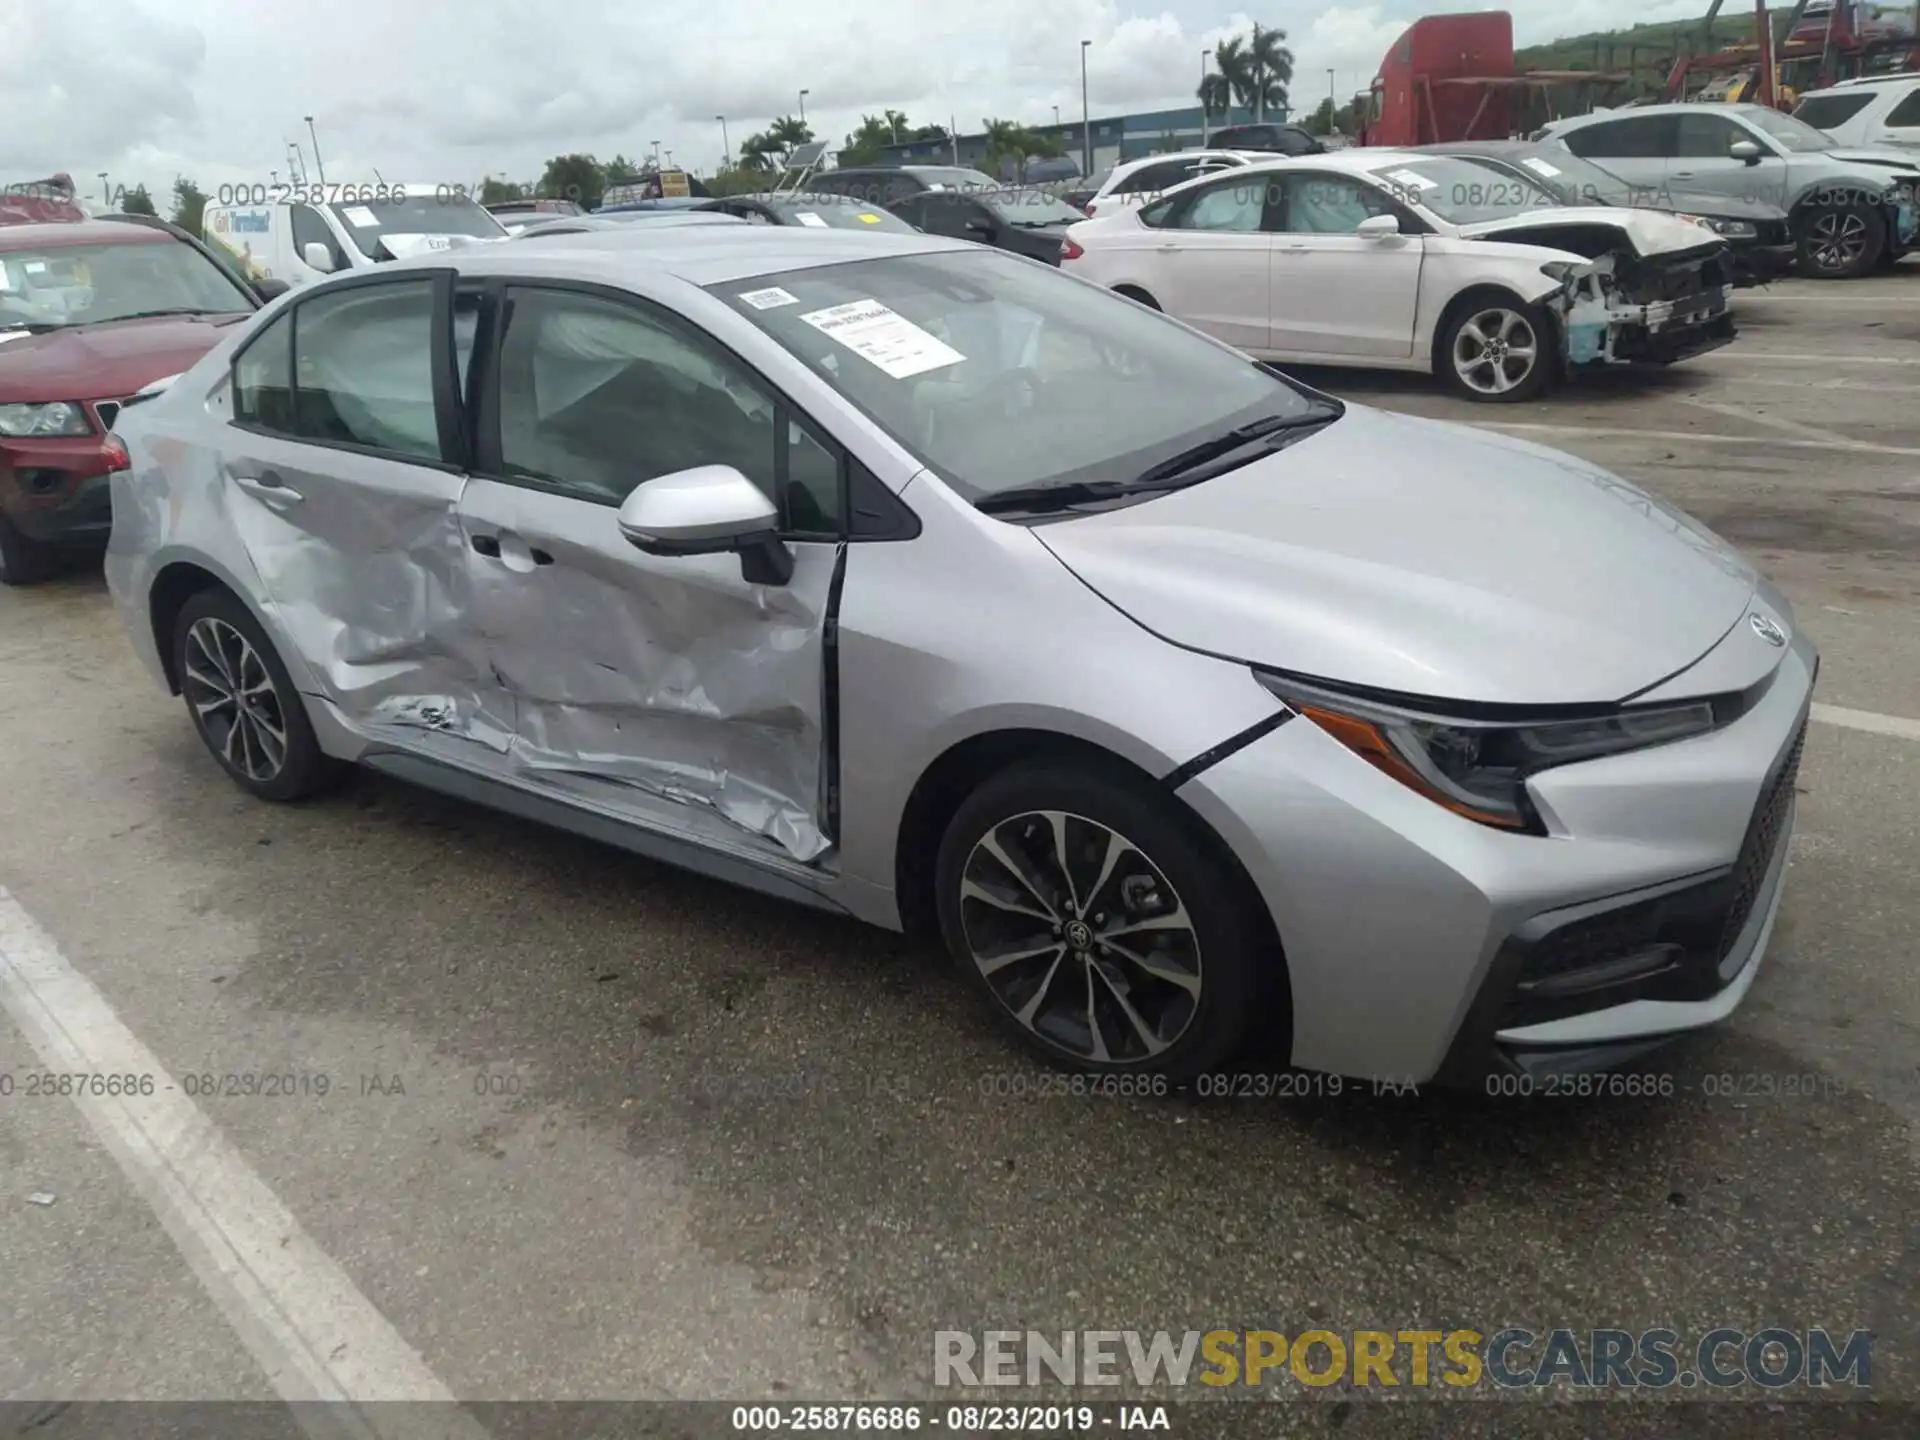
845, 1117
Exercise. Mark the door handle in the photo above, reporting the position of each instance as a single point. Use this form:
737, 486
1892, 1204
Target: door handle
1682, 175
540, 557
1166, 249
487, 545
268, 487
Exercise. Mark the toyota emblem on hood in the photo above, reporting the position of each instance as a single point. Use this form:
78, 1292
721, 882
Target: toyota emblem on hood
1767, 629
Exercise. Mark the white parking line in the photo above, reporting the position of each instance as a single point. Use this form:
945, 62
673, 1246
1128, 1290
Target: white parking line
1867, 720
316, 1336
1772, 422
1851, 447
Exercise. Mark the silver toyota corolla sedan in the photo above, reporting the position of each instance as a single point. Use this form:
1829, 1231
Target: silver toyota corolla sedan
922, 583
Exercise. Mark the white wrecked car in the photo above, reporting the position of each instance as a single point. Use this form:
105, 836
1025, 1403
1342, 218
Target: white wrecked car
1408, 261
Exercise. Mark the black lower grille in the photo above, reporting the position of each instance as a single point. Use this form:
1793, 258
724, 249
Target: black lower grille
108, 411
1763, 837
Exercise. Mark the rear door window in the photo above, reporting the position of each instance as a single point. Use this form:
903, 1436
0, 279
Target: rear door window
363, 367
1823, 112
1639, 137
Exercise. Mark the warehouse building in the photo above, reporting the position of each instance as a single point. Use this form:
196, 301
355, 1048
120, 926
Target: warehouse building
1115, 138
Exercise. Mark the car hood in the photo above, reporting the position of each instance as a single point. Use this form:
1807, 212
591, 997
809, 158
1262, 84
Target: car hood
1424, 558
1650, 232
406, 246
105, 361
1876, 156
1721, 207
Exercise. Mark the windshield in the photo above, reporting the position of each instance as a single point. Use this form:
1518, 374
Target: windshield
1462, 192
1823, 112
1572, 180
88, 284
373, 221
1001, 374
1027, 206
1794, 134
954, 178
838, 212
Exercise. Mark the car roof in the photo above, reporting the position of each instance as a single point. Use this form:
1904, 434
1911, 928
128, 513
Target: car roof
1357, 161
54, 233
713, 257
1670, 107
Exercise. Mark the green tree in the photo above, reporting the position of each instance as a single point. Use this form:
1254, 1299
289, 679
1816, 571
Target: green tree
620, 169
756, 154
137, 202
574, 177
1321, 121
1256, 70
867, 145
788, 135
1009, 140
494, 190
189, 205
1215, 94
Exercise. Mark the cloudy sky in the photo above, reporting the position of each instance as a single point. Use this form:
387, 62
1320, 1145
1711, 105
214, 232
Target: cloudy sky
446, 91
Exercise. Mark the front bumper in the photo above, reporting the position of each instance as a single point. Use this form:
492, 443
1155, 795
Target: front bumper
57, 491
1408, 932
1758, 264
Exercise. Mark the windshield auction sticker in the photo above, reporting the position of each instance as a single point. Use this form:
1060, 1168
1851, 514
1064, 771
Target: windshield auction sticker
877, 334
769, 299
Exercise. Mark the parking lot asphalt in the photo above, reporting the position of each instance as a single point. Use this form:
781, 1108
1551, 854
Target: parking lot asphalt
596, 1128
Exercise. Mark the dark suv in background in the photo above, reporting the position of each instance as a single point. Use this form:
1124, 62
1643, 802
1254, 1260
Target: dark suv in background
1272, 139
91, 312
963, 204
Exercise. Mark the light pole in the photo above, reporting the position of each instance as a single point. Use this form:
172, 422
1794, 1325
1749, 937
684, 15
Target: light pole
803, 105
1333, 103
105, 198
656, 155
1206, 116
1086, 115
318, 164
669, 159
726, 150
1056, 117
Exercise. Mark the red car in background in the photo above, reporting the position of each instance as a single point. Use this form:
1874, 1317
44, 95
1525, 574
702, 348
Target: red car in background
91, 312
40, 202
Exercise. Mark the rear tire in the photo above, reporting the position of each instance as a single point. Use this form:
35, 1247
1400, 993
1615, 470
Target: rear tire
1840, 242
1137, 295
1161, 965
243, 703
23, 560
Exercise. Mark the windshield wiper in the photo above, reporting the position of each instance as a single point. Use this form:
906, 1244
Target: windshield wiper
173, 310
1207, 452
32, 327
1189, 467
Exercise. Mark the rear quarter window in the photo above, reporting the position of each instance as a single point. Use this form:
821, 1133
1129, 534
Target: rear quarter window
1823, 112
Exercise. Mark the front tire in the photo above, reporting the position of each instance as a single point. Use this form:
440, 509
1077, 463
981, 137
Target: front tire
1841, 242
1495, 349
23, 560
242, 701
1101, 925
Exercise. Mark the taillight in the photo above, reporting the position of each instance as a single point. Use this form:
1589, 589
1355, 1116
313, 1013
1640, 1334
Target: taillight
115, 450
1070, 251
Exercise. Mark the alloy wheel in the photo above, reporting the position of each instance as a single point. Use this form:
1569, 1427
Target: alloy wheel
234, 700
1081, 937
1839, 240
1495, 351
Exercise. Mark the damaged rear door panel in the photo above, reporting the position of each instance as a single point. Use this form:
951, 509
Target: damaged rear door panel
1647, 289
671, 692
343, 483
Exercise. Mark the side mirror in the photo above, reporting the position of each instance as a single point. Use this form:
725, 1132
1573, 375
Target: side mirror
317, 256
1745, 150
270, 289
708, 510
1378, 227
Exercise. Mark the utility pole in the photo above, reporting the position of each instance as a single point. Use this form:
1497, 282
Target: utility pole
106, 197
1259, 80
318, 164
803, 105
1206, 118
726, 150
1086, 115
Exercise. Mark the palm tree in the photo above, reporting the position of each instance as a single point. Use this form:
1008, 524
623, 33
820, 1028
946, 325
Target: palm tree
788, 135
1273, 64
1214, 92
1253, 72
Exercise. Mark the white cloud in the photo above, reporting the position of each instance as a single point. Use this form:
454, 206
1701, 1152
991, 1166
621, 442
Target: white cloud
449, 90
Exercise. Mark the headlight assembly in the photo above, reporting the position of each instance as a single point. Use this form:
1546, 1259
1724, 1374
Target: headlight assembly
1734, 229
22, 422
1479, 768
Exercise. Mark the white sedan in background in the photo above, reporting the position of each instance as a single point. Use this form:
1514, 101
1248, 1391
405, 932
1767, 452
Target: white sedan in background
1134, 183
1408, 261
